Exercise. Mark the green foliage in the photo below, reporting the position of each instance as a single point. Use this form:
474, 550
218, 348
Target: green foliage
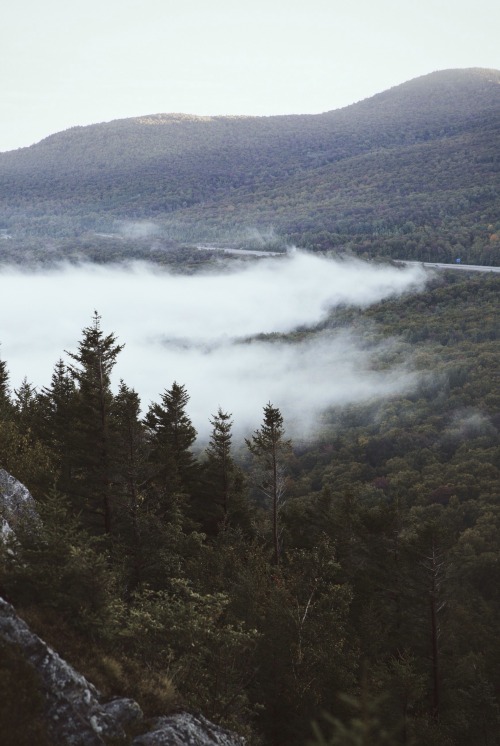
171, 436
4, 388
93, 363
56, 565
57, 420
222, 502
28, 458
270, 450
305, 652
386, 589
186, 635
364, 729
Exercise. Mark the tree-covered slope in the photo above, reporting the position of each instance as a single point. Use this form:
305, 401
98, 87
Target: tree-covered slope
385, 585
420, 157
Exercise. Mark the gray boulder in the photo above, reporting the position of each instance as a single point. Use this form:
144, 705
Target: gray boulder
16, 503
75, 714
187, 730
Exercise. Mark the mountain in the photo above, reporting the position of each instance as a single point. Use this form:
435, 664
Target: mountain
413, 172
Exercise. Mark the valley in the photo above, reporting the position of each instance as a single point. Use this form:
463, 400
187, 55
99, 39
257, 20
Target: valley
256, 401
411, 173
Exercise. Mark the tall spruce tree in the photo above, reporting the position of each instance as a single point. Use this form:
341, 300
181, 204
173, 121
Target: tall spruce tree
270, 449
171, 436
91, 370
58, 404
220, 463
222, 503
130, 464
5, 401
26, 409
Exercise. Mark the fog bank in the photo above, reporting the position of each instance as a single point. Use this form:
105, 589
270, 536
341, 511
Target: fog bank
196, 330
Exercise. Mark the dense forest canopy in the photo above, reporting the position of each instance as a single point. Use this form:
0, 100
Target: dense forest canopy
411, 173
333, 588
269, 582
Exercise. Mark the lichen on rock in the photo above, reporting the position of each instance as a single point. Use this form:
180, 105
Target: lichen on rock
76, 716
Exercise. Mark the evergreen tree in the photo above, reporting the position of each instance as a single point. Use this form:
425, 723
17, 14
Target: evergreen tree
219, 457
222, 502
59, 566
270, 450
91, 370
130, 469
171, 435
26, 409
22, 452
58, 403
5, 401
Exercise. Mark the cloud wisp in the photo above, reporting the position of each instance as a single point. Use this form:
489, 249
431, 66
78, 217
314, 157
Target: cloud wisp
199, 331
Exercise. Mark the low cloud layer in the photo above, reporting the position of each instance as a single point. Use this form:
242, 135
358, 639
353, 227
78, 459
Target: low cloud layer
197, 330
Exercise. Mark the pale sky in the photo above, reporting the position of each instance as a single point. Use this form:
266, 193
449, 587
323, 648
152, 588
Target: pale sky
65, 63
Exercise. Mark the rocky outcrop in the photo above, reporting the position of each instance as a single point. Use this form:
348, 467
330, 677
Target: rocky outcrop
187, 730
16, 503
75, 714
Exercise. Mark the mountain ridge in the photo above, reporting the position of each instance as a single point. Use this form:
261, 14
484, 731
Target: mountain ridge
448, 76
195, 170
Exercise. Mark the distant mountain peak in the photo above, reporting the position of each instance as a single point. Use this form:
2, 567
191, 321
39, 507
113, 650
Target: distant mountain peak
453, 78
455, 91
418, 159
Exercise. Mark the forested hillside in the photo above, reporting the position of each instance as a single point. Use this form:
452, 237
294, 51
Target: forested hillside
409, 173
328, 590
268, 582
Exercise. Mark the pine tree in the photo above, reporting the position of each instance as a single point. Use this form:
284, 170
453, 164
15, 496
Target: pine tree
130, 464
5, 402
22, 453
223, 503
270, 450
171, 436
219, 456
25, 405
94, 362
58, 403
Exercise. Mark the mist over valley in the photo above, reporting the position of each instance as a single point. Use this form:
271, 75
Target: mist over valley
222, 333
189, 558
